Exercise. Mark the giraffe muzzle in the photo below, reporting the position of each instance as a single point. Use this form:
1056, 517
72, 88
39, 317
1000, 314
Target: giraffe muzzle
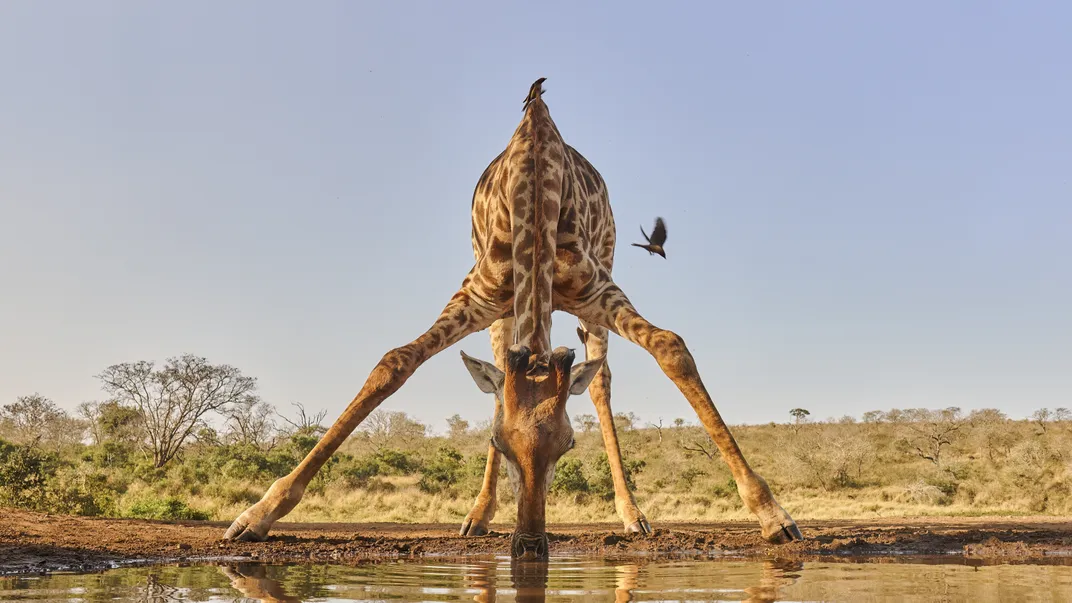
529, 547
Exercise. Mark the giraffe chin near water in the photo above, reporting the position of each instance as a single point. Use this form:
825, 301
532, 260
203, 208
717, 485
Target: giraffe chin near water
543, 238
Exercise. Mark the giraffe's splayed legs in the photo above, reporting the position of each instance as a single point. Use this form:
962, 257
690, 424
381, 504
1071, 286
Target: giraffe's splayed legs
611, 309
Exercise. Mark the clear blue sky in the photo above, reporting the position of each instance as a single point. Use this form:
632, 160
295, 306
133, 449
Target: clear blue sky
869, 205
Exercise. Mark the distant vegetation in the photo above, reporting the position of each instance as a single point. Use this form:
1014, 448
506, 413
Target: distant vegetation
148, 451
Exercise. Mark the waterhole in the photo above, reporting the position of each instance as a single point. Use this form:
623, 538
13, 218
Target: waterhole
561, 579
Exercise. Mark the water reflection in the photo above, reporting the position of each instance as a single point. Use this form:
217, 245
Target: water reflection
253, 582
561, 579
528, 581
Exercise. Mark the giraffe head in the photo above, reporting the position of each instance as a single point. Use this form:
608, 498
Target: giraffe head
531, 428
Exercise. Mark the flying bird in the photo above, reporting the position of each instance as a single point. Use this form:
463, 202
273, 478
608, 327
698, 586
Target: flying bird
656, 240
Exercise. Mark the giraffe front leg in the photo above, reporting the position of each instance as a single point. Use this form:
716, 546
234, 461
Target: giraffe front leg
467, 312
595, 342
478, 521
612, 310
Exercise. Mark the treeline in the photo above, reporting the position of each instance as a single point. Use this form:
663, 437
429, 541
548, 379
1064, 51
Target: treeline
189, 439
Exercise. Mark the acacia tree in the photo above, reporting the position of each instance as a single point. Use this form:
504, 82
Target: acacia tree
800, 417
175, 397
457, 426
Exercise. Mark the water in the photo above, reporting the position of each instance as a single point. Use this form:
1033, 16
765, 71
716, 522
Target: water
563, 579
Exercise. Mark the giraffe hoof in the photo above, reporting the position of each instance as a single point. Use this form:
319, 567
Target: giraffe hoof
785, 534
472, 528
240, 531
641, 526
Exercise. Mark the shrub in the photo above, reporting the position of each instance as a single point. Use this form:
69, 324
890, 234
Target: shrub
442, 472
163, 508
396, 462
569, 477
356, 472
24, 475
602, 484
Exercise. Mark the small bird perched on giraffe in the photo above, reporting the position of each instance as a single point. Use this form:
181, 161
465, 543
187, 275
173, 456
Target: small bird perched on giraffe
656, 240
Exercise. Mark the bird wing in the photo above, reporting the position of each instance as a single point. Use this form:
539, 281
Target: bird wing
645, 234
658, 236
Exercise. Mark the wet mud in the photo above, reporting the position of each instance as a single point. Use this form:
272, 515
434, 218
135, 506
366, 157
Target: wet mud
36, 543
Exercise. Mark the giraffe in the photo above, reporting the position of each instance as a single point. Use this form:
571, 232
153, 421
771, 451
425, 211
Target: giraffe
543, 237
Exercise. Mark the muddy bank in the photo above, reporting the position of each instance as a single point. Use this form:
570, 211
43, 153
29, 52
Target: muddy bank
33, 542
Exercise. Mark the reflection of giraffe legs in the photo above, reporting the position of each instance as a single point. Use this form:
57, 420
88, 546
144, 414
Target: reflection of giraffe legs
476, 523
595, 341
612, 309
251, 580
776, 574
482, 579
467, 312
625, 581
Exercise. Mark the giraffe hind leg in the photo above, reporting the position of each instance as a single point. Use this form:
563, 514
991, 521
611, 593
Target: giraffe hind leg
477, 522
467, 312
595, 339
610, 308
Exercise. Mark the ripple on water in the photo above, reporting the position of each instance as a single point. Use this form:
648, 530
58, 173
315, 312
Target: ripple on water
561, 579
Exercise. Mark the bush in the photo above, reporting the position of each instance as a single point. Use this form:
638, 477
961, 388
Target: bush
396, 462
356, 472
78, 492
165, 508
569, 477
442, 472
602, 484
24, 475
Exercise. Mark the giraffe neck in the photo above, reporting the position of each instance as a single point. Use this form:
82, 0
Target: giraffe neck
535, 193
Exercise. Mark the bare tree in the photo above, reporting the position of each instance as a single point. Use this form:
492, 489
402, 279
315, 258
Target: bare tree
658, 429
696, 446
249, 422
585, 423
305, 423
929, 432
873, 416
383, 428
174, 398
1041, 417
992, 426
37, 418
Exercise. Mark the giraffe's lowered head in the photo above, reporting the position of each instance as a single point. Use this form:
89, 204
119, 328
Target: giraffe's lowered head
532, 429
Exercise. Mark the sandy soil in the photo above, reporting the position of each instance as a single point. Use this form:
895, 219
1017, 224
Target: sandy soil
34, 542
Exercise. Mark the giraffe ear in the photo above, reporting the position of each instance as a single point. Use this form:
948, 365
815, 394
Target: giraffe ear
582, 375
488, 377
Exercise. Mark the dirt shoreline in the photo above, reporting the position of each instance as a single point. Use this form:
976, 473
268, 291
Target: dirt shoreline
39, 543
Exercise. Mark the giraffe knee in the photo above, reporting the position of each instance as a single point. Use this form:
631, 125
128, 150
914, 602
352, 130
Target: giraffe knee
395, 367
670, 351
